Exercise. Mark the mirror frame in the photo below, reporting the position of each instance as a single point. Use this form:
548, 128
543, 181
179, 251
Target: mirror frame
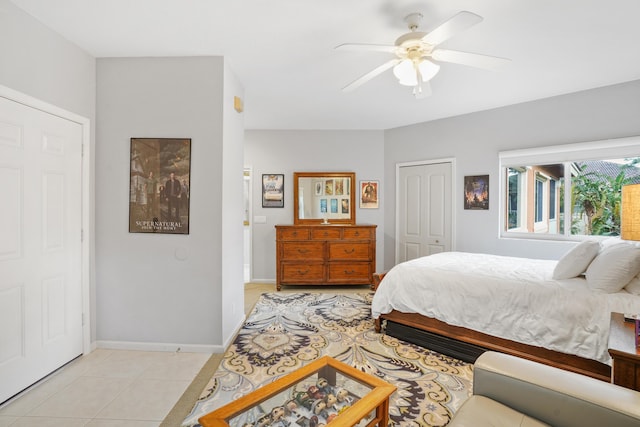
352, 196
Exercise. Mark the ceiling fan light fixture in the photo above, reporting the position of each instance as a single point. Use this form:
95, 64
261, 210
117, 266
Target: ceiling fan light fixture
406, 73
428, 70
415, 52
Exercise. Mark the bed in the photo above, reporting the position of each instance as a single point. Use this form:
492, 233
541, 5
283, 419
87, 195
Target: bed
554, 312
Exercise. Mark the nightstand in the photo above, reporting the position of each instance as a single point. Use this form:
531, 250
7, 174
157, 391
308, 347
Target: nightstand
625, 354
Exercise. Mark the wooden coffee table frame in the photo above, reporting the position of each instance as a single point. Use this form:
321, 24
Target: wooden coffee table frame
376, 399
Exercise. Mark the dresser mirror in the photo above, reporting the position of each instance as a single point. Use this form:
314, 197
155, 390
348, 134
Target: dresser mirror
324, 198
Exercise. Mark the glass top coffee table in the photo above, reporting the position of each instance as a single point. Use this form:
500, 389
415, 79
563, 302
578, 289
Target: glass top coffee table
320, 392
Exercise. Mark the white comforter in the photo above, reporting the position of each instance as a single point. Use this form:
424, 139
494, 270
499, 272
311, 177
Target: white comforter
507, 297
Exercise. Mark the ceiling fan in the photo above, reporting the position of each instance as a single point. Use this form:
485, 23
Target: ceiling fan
416, 52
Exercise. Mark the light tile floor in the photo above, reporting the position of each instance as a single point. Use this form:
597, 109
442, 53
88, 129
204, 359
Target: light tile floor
119, 388
106, 388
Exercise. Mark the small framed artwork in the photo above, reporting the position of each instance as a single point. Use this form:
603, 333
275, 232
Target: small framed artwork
273, 190
476, 192
369, 195
328, 187
345, 206
159, 185
334, 205
319, 188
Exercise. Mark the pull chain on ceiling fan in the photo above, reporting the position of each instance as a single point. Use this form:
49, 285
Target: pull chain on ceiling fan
416, 52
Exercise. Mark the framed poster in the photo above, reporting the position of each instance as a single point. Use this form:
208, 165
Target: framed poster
369, 194
272, 190
159, 185
476, 192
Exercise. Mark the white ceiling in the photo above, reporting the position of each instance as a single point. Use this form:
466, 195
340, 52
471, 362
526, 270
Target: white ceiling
283, 51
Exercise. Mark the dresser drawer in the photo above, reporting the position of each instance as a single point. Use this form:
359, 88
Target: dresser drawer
359, 233
294, 234
302, 273
300, 251
328, 233
349, 251
350, 272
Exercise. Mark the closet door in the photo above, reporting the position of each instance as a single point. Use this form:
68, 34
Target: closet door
40, 245
424, 210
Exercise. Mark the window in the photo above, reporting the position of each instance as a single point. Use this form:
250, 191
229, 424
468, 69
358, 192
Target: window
552, 199
516, 205
574, 190
539, 197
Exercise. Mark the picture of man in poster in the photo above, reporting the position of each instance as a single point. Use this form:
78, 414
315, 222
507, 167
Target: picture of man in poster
152, 188
369, 194
184, 196
172, 191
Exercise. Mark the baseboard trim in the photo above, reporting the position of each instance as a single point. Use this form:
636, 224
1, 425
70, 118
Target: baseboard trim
167, 347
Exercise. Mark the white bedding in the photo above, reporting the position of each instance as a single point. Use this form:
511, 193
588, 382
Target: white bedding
507, 297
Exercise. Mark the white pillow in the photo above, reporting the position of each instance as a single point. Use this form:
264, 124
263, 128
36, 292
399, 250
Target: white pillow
610, 241
613, 268
576, 261
633, 287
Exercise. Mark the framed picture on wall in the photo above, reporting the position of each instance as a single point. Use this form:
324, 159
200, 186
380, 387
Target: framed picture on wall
369, 194
476, 192
273, 190
159, 185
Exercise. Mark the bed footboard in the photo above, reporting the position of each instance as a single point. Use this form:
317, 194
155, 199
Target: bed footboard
450, 334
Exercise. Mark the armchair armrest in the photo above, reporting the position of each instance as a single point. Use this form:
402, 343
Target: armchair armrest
554, 396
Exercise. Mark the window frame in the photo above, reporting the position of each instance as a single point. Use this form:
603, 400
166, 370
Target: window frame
521, 201
574, 152
540, 191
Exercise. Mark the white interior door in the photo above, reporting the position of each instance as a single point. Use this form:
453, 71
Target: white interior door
424, 210
247, 225
40, 248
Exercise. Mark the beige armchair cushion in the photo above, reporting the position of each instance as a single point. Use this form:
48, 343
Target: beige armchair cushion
480, 411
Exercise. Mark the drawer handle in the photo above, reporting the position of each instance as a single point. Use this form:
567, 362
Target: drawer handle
295, 233
349, 272
302, 251
349, 251
302, 273
357, 233
326, 233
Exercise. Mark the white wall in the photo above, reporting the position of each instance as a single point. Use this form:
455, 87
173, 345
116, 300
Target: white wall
269, 152
146, 293
475, 140
38, 62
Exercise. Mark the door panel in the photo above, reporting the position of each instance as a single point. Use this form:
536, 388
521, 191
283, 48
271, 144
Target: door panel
424, 210
437, 213
40, 248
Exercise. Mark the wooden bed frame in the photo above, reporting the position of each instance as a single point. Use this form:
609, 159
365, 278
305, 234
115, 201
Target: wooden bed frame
449, 338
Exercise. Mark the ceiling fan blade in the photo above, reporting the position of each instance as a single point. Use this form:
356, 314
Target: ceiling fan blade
458, 23
367, 47
471, 59
371, 74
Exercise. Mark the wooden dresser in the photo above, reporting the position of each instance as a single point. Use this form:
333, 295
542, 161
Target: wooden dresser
325, 254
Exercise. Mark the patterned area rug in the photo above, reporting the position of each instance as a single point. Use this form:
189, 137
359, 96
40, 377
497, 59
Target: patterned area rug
285, 331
